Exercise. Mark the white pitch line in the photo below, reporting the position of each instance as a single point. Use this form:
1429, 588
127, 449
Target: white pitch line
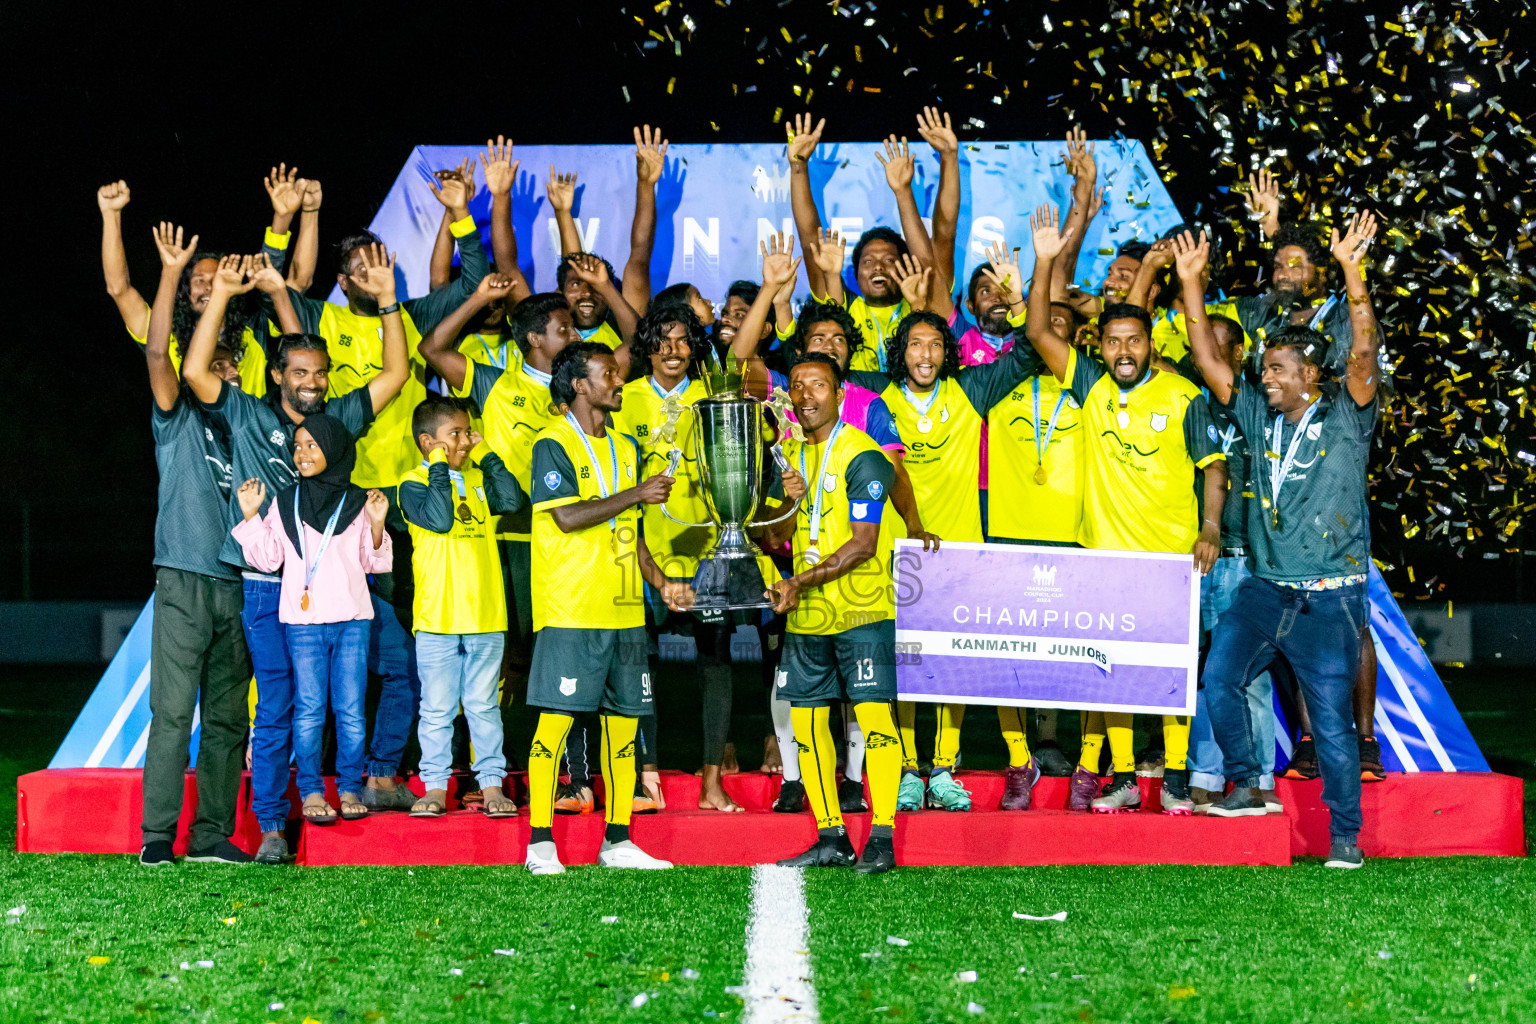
778, 975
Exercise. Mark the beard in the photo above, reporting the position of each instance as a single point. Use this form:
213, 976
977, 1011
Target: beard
300, 405
1290, 299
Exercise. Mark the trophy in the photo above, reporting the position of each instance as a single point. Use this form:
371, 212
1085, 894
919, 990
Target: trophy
728, 449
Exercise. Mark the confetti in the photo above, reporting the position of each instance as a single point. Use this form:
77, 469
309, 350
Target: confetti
1181, 991
975, 1008
97, 961
504, 952
639, 1001
611, 919
893, 940
965, 976
1060, 915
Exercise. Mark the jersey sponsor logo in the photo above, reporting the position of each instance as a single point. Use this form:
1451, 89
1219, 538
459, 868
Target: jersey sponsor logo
540, 750
586, 472
344, 340
875, 490
518, 400
567, 685
1159, 422
879, 741
276, 437
552, 480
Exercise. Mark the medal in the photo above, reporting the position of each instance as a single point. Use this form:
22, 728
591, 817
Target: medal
1124, 419
1043, 441
1280, 468
464, 514
1040, 475
921, 407
325, 542
812, 556
924, 424
304, 600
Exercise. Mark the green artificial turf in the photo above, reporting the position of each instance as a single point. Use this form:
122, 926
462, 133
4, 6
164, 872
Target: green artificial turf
1405, 940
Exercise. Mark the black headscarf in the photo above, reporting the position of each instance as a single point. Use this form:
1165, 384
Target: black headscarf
319, 494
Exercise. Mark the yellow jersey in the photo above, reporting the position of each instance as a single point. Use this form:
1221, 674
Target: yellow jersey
586, 579
1143, 445
603, 333
252, 358
514, 409
878, 323
1038, 416
1170, 335
498, 350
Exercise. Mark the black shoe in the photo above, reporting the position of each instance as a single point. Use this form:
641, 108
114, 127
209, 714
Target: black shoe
1052, 761
1344, 855
850, 796
879, 856
791, 798
221, 852
1371, 769
157, 854
1241, 802
1303, 760
826, 852
1176, 798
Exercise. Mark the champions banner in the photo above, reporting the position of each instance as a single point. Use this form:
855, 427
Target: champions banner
1047, 627
715, 203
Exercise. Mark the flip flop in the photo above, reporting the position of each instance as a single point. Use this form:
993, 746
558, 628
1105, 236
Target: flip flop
425, 808
328, 818
356, 800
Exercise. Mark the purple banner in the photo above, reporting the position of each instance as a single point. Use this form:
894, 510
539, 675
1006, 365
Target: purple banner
1047, 627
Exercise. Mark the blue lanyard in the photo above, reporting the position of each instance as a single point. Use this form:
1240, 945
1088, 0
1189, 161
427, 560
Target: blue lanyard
453, 474
613, 458
882, 329
912, 400
1041, 444
325, 540
500, 364
536, 375
821, 473
662, 393
1280, 468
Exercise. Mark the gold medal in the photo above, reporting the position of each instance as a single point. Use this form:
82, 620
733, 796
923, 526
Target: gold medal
304, 601
924, 424
812, 556
1040, 475
465, 515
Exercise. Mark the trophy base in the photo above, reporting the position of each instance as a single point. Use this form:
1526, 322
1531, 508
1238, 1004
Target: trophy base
725, 583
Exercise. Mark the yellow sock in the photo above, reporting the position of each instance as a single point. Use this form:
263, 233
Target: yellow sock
906, 730
946, 735
1122, 740
1175, 741
1093, 740
618, 754
818, 762
882, 759
544, 767
1012, 721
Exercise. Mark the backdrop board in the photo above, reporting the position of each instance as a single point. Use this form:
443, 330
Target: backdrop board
1047, 627
715, 203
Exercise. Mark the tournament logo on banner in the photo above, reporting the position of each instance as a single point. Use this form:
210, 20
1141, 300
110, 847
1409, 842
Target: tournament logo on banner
1047, 627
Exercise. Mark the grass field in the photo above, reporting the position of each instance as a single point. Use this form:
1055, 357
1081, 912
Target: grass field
1402, 940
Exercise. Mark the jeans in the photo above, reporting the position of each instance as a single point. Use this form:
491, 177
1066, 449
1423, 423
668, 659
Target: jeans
392, 656
460, 669
197, 660
1217, 589
1319, 634
272, 733
330, 664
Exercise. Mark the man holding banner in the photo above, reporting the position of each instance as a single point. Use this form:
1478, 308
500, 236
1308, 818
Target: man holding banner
1138, 491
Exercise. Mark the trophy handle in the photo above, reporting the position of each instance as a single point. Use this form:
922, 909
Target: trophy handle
673, 459
778, 456
678, 521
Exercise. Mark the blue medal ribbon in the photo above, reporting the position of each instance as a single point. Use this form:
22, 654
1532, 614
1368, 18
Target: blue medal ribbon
603, 489
325, 539
821, 471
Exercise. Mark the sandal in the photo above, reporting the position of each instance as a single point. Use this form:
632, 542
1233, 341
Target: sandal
431, 806
498, 804
316, 811
352, 807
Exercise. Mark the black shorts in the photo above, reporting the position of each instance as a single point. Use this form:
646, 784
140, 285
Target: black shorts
858, 664
579, 670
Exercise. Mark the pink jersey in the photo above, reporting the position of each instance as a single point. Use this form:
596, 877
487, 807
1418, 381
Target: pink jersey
977, 348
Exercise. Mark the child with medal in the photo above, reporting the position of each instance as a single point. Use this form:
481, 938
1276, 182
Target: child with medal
326, 535
840, 640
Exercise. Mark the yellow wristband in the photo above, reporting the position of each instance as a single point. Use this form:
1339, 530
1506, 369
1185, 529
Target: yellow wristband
276, 241
463, 226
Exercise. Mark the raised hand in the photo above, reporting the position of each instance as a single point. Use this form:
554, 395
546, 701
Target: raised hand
898, 163
1079, 158
1096, 203
500, 168
265, 276
1004, 271
112, 196
1190, 257
803, 136
590, 269
1045, 223
378, 276
1160, 255
312, 195
650, 155
377, 507
827, 253
251, 494
936, 131
285, 189
1264, 197
451, 189
779, 267
1350, 249
168, 240
915, 280
561, 189
235, 275
494, 287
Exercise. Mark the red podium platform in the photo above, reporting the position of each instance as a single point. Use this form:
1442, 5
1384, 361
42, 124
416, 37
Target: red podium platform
1409, 815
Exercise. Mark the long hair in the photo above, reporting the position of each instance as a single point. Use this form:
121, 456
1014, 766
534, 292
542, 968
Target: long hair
823, 312
237, 315
896, 347
652, 329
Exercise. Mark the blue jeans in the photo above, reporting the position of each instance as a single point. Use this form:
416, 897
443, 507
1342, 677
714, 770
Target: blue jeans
330, 664
460, 669
1319, 634
272, 734
392, 656
1217, 589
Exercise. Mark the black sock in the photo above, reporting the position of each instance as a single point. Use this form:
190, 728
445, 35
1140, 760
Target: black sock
541, 835
886, 833
837, 832
910, 771
616, 834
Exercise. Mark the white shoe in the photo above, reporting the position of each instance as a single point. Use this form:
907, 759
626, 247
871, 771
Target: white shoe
542, 859
628, 855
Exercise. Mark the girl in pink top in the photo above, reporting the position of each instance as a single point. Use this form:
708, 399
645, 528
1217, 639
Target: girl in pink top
326, 535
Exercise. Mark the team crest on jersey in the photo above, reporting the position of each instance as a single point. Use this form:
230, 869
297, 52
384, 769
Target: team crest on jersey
858, 510
781, 678
1072, 402
829, 485
1211, 430
1159, 421
208, 434
276, 437
552, 480
875, 490
480, 493
567, 685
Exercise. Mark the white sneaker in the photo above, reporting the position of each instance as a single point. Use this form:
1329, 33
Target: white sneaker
542, 859
628, 855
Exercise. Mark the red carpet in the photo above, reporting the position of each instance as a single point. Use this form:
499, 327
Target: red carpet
96, 810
